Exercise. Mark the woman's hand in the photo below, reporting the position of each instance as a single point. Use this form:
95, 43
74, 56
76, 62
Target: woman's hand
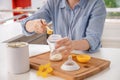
64, 45
37, 26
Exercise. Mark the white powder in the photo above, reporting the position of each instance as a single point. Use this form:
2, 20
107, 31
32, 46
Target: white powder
56, 57
17, 44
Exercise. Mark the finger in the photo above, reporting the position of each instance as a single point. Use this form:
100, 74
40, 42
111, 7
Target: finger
69, 50
66, 53
67, 43
67, 46
44, 22
41, 27
38, 29
62, 42
64, 49
61, 49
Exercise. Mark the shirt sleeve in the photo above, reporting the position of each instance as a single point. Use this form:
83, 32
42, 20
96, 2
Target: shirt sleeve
95, 26
43, 13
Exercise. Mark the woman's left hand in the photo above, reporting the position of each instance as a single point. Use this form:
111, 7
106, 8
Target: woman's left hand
64, 45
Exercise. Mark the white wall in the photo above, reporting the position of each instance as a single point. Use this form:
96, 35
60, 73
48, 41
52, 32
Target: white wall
5, 4
111, 33
37, 3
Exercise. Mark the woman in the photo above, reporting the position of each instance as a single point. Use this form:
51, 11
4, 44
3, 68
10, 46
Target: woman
80, 22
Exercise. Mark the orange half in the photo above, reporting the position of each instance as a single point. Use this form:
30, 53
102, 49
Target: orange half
83, 58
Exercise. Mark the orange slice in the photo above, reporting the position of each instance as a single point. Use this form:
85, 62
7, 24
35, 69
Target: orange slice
49, 31
83, 58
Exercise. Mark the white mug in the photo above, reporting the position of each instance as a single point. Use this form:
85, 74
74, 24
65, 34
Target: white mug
18, 57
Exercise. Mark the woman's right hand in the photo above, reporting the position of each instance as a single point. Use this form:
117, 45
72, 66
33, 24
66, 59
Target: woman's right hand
37, 26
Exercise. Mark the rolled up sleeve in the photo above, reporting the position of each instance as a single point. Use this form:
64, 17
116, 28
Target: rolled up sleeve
43, 13
95, 26
25, 32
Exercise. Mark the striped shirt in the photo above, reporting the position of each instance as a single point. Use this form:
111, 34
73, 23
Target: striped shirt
85, 21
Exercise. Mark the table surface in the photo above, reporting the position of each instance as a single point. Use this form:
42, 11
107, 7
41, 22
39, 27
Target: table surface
111, 73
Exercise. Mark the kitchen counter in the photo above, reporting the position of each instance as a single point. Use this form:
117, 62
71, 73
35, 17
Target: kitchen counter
111, 73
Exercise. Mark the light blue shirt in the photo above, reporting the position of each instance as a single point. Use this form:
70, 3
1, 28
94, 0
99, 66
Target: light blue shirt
85, 21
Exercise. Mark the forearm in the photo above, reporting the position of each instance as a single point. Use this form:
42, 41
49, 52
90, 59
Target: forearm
80, 44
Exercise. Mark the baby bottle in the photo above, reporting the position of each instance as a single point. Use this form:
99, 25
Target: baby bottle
55, 55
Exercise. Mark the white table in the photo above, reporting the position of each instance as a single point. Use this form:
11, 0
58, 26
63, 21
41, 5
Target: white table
112, 73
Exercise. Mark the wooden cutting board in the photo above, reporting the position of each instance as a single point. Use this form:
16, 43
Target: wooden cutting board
95, 65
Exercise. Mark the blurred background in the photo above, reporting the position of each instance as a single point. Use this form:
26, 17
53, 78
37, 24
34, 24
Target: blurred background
13, 11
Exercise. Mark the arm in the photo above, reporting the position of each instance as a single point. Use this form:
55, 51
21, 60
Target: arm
92, 41
70, 45
93, 32
29, 23
95, 26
